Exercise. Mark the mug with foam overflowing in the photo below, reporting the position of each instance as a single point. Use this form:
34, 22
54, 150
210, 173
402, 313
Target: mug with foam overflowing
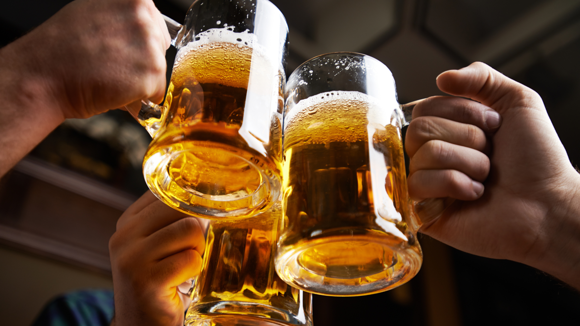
217, 137
348, 227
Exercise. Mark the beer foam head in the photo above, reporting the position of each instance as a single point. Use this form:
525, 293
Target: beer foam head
339, 116
221, 56
220, 35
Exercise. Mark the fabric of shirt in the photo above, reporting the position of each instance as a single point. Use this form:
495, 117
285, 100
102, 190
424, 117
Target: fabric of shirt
78, 308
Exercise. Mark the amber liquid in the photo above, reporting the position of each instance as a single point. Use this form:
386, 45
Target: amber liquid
238, 284
200, 162
346, 206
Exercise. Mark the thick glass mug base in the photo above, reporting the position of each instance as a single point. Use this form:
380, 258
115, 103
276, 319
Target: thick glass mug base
226, 313
348, 262
236, 183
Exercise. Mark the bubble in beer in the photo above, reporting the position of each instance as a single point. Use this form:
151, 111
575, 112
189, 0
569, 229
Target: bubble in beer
341, 122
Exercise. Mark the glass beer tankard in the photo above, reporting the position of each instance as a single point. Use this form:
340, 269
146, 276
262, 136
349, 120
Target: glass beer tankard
238, 284
217, 138
347, 225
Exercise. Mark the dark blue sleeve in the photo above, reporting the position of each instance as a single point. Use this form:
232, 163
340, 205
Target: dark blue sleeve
78, 308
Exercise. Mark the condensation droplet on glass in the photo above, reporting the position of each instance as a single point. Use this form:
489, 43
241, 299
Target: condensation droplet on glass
218, 22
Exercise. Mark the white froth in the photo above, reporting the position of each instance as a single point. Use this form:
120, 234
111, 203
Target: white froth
377, 112
221, 35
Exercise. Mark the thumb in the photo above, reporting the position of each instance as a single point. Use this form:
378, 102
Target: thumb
486, 85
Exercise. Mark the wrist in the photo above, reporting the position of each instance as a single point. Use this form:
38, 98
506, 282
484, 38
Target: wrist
557, 250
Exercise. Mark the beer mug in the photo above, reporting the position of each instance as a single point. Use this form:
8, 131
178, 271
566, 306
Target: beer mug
347, 225
217, 138
238, 284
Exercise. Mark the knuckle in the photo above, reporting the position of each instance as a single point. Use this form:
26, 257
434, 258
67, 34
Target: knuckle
123, 263
422, 108
439, 150
483, 168
454, 180
425, 128
114, 242
529, 95
188, 225
413, 185
189, 257
159, 65
470, 112
473, 136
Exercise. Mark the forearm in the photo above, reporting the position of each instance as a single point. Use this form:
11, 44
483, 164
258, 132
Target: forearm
29, 113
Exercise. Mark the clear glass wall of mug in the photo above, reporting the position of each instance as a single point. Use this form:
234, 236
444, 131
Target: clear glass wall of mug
347, 224
217, 138
238, 284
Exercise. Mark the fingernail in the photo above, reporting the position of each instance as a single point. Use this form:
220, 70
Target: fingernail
492, 120
477, 188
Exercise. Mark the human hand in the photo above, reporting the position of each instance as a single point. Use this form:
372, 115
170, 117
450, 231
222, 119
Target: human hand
153, 251
526, 212
96, 55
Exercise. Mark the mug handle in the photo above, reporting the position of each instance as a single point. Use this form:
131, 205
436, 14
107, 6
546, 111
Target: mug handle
151, 116
427, 210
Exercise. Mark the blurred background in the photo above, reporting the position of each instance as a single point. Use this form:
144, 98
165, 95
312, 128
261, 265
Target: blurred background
59, 206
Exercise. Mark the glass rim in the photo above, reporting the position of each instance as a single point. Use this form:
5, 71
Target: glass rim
353, 53
268, 1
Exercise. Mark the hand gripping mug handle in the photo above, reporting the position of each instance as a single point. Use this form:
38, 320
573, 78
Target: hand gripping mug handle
151, 115
427, 210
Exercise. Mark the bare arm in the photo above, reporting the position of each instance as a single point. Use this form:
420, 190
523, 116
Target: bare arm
91, 57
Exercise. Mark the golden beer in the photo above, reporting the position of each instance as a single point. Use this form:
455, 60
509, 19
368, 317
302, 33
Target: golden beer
346, 207
208, 160
238, 284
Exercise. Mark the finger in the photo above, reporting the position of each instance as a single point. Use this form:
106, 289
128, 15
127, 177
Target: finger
186, 233
443, 183
481, 83
460, 110
166, 38
145, 200
158, 79
133, 109
162, 31
164, 41
424, 129
178, 268
439, 155
150, 218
